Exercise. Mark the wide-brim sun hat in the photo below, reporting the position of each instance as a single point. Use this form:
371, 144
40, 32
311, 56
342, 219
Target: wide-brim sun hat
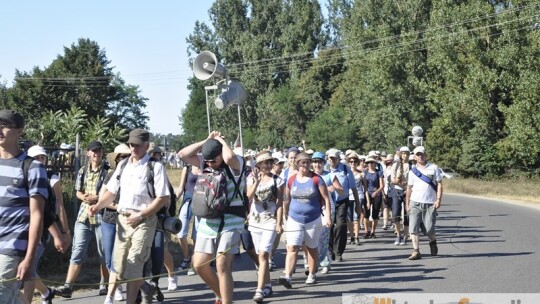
353, 155
370, 159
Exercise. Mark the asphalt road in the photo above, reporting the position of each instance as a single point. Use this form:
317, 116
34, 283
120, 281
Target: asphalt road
485, 246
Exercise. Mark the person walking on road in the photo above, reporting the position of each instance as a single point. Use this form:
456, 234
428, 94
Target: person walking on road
137, 220
304, 193
21, 209
423, 198
215, 236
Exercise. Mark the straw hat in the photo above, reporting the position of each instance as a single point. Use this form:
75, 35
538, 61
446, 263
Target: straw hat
264, 156
353, 155
370, 159
302, 156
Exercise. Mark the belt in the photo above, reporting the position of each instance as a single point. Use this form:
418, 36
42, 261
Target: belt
127, 212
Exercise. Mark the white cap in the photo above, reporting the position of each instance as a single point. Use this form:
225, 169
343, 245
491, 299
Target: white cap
372, 153
404, 149
36, 150
419, 149
333, 153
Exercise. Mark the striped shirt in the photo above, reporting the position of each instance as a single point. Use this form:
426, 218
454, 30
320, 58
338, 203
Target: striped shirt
15, 202
208, 228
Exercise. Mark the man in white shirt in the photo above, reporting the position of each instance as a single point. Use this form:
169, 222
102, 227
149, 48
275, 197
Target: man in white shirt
423, 198
136, 223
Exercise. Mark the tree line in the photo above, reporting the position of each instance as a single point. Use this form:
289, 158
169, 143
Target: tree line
354, 74
361, 74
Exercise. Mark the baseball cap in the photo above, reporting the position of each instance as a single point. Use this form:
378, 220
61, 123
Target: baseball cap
36, 150
12, 118
138, 136
404, 149
419, 149
93, 145
318, 155
211, 149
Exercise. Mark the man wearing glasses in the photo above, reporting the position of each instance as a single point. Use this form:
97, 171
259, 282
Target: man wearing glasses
338, 236
21, 208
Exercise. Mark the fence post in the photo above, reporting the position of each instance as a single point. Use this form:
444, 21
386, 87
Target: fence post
76, 167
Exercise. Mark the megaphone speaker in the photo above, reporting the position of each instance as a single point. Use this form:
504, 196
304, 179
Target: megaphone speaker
206, 65
233, 93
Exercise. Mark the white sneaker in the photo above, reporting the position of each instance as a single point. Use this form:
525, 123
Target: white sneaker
191, 272
118, 294
325, 269
108, 300
311, 279
173, 283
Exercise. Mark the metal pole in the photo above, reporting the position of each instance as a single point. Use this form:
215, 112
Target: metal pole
240, 129
207, 109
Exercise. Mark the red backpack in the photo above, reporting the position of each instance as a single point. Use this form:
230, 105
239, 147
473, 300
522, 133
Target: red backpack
315, 178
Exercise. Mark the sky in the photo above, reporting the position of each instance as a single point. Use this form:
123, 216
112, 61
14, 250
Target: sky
144, 40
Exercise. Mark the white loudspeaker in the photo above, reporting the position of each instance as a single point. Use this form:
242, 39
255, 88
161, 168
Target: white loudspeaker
417, 131
206, 65
233, 93
418, 141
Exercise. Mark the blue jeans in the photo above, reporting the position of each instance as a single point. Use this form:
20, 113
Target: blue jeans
82, 235
108, 232
185, 215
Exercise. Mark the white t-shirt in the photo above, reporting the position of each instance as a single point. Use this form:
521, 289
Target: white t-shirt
422, 192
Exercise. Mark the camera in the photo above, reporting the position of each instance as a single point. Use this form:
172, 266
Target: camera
169, 223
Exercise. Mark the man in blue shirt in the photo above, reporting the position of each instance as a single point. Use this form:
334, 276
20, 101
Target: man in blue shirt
338, 235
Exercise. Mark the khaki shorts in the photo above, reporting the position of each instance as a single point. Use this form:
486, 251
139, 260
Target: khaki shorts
132, 247
9, 291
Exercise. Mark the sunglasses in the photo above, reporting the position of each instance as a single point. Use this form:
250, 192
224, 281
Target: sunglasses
353, 162
210, 161
317, 161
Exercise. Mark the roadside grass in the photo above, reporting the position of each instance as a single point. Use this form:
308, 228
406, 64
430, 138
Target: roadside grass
518, 189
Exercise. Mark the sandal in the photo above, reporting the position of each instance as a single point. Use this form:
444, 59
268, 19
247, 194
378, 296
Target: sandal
267, 291
185, 264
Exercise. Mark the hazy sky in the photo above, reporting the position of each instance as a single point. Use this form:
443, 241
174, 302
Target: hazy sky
144, 40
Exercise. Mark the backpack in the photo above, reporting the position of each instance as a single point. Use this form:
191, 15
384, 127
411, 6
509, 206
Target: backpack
210, 193
50, 215
169, 210
315, 178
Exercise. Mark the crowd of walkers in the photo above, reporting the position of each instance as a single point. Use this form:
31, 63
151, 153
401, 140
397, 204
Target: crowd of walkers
317, 202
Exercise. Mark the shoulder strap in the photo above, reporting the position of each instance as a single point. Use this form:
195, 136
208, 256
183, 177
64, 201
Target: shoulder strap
150, 177
274, 190
26, 167
424, 178
236, 183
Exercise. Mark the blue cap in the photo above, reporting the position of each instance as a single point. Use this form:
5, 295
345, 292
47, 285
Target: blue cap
319, 155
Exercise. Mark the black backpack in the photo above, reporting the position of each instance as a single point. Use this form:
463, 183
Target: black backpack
49, 211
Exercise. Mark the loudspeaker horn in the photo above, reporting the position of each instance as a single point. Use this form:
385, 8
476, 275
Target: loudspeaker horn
206, 65
233, 93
